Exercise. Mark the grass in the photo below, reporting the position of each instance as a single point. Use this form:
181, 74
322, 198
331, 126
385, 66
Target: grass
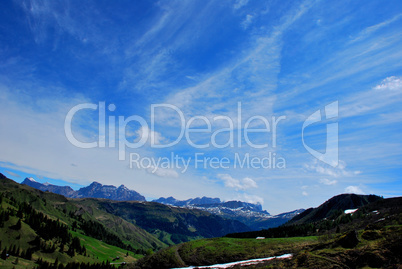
11, 263
58, 207
232, 249
19, 238
101, 251
309, 252
97, 251
223, 250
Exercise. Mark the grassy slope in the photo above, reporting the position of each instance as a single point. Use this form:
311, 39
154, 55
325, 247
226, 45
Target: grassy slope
381, 250
173, 224
334, 206
222, 250
57, 207
142, 225
97, 251
91, 208
379, 226
11, 263
103, 252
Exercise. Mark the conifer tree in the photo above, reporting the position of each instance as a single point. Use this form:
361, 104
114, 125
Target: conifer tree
4, 254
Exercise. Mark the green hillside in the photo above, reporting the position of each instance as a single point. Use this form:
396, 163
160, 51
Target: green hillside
81, 214
46, 230
172, 225
370, 238
334, 207
43, 228
30, 238
52, 228
222, 250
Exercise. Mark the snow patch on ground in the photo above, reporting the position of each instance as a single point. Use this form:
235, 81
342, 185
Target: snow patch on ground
350, 211
241, 263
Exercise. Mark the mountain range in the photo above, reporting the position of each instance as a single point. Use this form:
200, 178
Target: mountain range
41, 228
145, 224
252, 215
94, 190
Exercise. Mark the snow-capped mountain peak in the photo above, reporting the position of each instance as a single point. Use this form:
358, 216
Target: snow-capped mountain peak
31, 179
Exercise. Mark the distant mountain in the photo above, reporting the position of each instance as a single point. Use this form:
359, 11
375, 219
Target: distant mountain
273, 221
94, 190
250, 214
144, 224
334, 207
235, 205
122, 193
207, 202
66, 191
195, 201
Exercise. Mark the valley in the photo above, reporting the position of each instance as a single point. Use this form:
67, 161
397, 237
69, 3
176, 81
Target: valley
47, 230
164, 134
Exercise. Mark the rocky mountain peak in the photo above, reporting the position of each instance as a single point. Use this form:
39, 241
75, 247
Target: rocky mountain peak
94, 190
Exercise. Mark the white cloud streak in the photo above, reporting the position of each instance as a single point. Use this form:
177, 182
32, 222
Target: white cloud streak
328, 182
238, 184
339, 171
354, 189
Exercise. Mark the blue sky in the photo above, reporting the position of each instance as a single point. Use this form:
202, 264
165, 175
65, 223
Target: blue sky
272, 59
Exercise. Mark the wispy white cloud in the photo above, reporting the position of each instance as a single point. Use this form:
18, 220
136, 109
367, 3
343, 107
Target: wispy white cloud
374, 28
247, 21
240, 4
327, 181
390, 83
146, 134
354, 189
254, 199
63, 18
350, 60
384, 94
251, 77
163, 172
13, 174
325, 169
238, 184
31, 136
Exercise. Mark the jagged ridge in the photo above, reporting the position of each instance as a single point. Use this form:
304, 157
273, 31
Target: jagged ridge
94, 190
